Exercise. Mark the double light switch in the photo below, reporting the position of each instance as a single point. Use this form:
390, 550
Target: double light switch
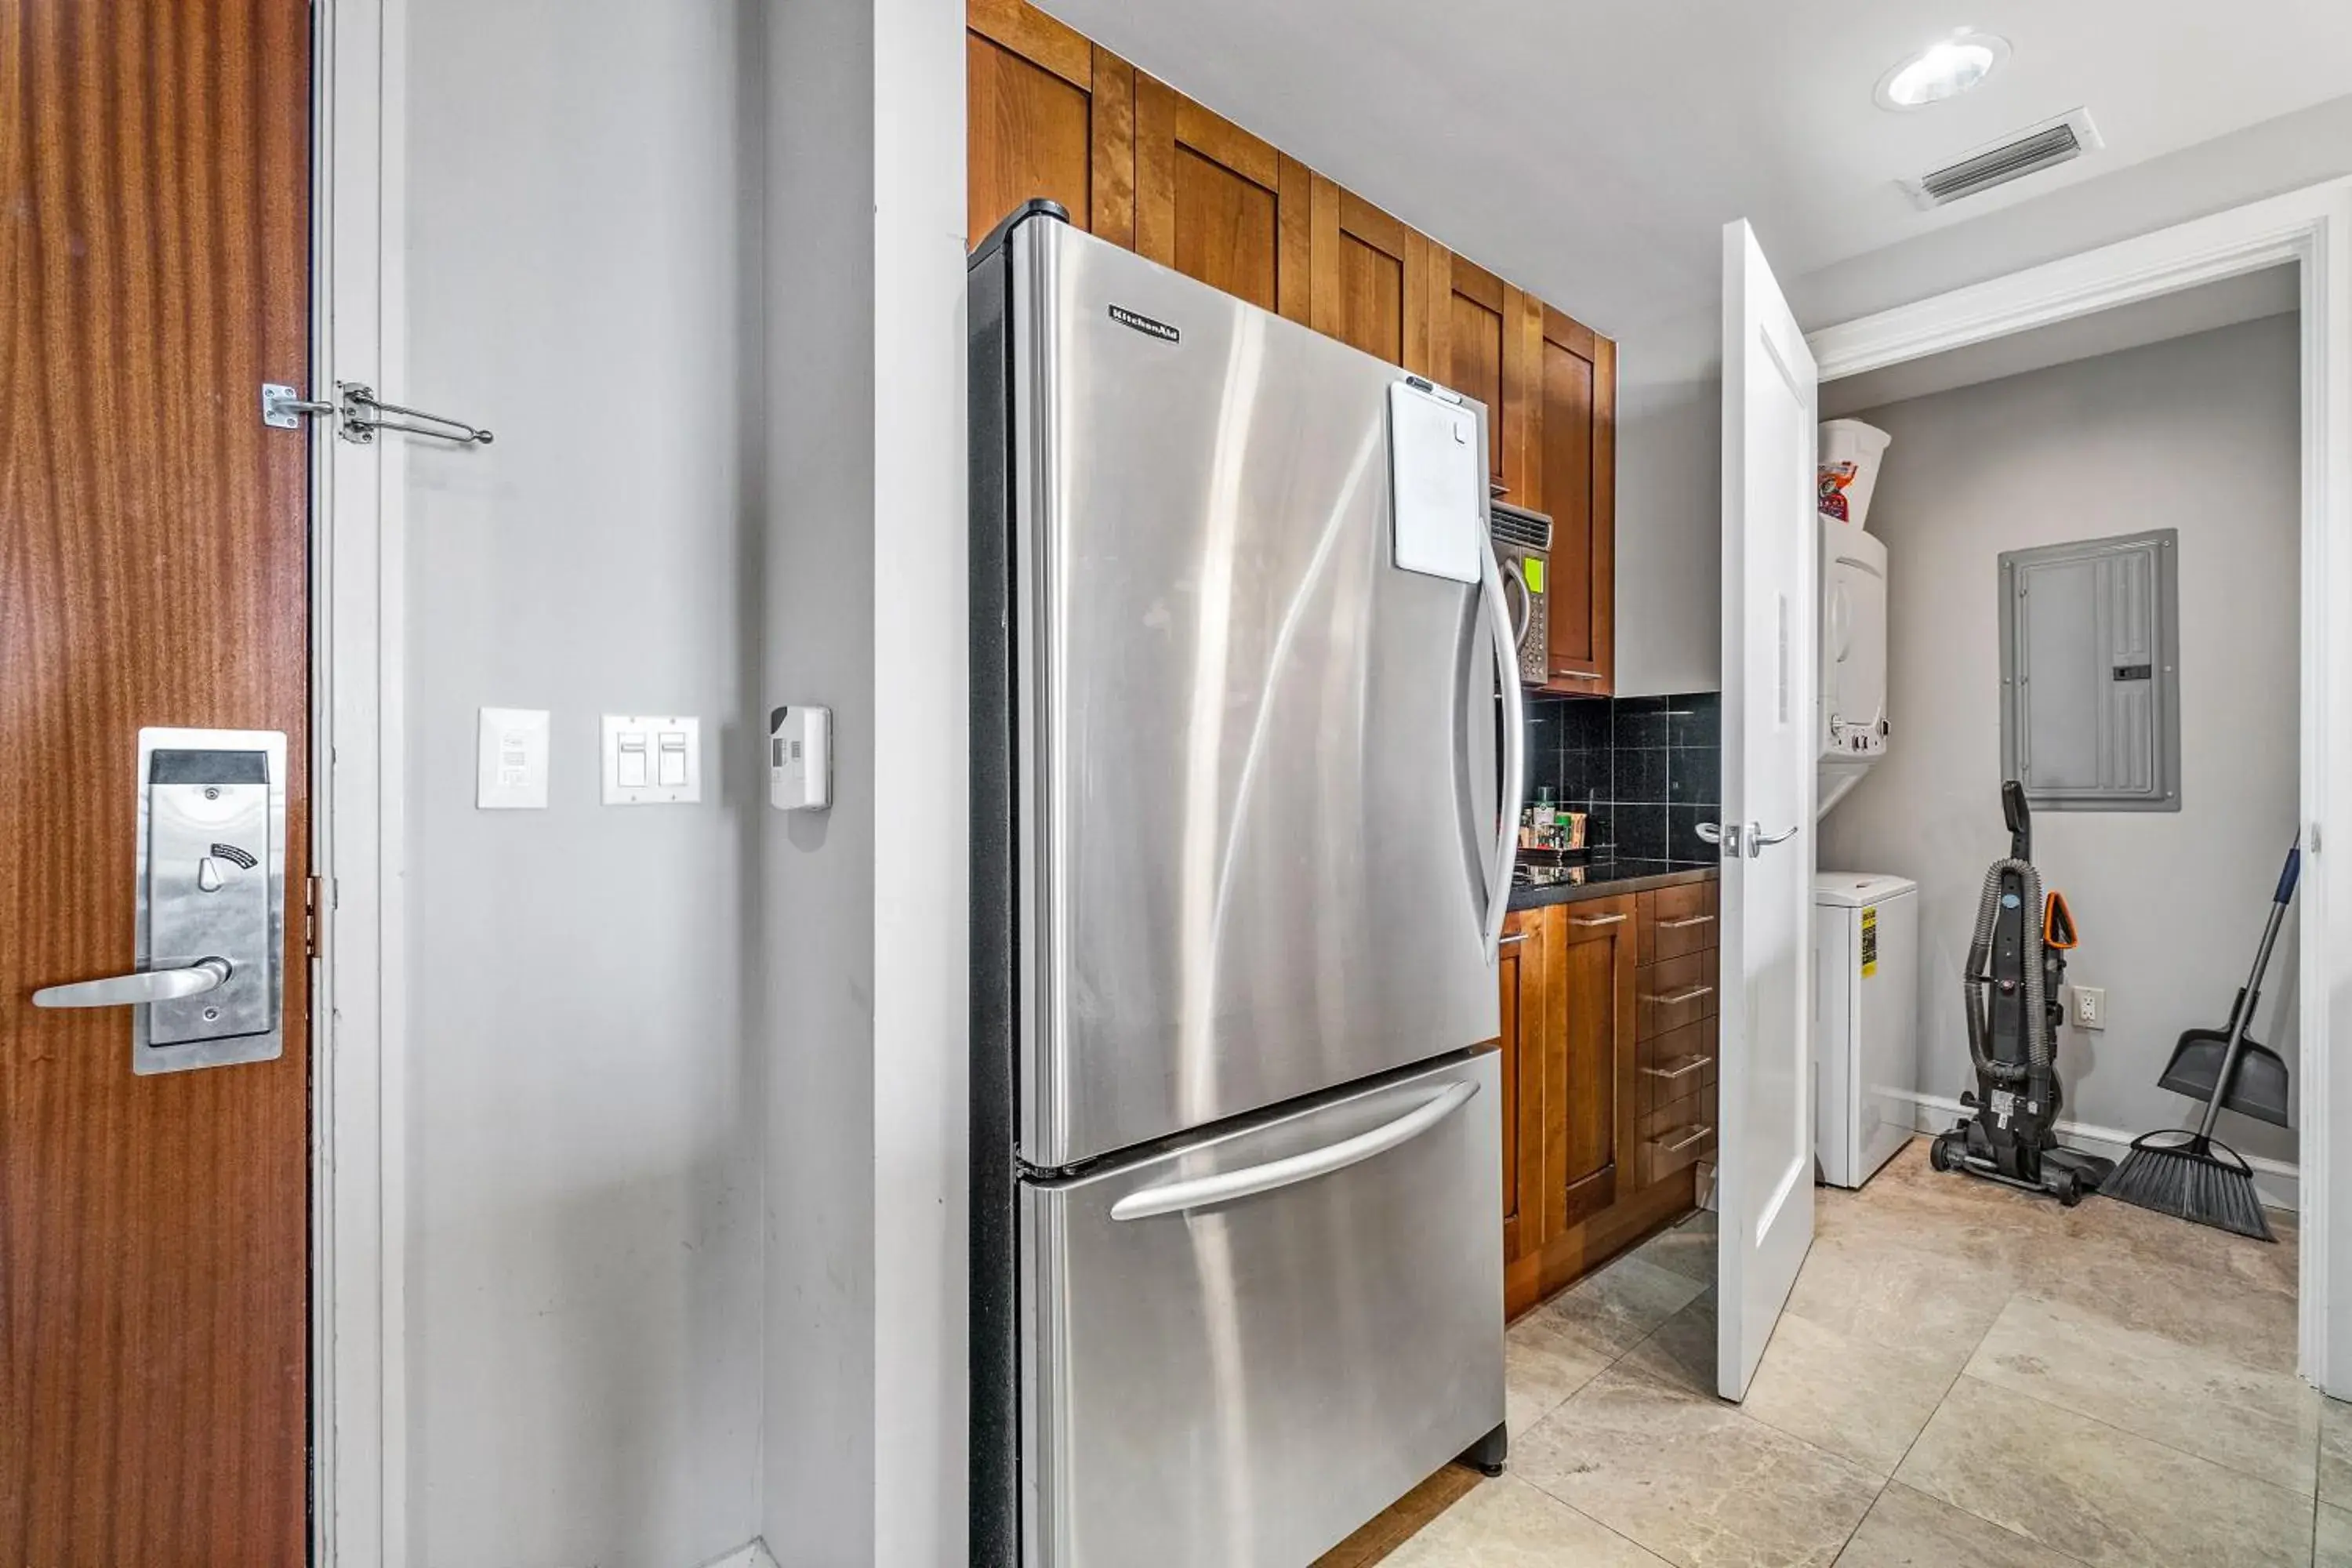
652, 760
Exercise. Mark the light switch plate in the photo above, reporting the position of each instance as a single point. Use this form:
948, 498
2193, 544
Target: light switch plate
510, 763
652, 760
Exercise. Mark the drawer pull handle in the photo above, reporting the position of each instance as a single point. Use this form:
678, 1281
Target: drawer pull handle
1696, 1135
1690, 1065
1693, 994
1686, 922
1513, 939
1175, 1197
1595, 919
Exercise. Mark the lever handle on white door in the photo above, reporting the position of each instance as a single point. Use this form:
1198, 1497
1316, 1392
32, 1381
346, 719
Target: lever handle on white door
1760, 841
1715, 833
133, 990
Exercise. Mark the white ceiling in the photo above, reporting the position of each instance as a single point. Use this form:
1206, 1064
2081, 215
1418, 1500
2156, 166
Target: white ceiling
1591, 150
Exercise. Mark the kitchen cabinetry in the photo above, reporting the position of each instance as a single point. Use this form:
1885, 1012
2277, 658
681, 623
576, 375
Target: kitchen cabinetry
1521, 965
1376, 283
1576, 467
1491, 329
1140, 165
1050, 115
1216, 204
1609, 1069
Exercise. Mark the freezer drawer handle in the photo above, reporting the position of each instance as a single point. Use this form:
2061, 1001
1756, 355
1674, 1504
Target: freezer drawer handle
1226, 1186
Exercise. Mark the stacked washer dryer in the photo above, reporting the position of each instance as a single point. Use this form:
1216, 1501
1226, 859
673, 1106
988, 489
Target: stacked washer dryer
1865, 923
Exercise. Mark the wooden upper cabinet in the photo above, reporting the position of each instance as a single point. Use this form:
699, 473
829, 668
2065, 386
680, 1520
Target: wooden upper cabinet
1592, 1083
1576, 442
1048, 115
1217, 204
1377, 282
1491, 332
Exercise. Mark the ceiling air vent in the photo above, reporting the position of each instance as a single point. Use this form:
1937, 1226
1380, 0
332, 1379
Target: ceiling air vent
2040, 147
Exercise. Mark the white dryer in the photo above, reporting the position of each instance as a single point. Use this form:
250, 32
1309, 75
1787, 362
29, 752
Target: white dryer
1866, 1036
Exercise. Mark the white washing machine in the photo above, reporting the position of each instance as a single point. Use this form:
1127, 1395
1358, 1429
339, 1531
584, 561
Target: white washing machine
1866, 1010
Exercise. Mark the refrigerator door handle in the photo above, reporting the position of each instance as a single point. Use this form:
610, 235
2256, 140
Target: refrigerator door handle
1513, 796
1174, 1197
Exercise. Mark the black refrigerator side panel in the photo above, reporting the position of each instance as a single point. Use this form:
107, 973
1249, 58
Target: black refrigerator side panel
995, 1238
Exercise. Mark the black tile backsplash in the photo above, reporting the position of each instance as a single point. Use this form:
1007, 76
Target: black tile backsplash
1648, 769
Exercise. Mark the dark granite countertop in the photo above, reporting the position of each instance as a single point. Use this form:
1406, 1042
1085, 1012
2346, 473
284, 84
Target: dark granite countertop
1602, 877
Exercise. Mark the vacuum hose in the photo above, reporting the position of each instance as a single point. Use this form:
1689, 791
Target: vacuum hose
1978, 980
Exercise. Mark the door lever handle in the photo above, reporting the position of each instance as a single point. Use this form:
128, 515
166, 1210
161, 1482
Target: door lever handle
1758, 841
131, 990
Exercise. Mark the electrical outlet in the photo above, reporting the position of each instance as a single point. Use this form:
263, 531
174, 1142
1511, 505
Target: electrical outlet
2090, 1008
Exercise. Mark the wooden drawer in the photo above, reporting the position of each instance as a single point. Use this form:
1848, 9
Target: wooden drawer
1673, 992
1675, 1063
1677, 921
1677, 1135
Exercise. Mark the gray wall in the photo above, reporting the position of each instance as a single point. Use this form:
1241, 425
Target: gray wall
1669, 440
583, 1263
2200, 433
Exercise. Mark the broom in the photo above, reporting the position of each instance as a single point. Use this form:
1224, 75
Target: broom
2192, 1174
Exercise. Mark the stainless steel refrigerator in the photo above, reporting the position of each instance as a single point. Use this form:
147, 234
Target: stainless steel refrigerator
1246, 774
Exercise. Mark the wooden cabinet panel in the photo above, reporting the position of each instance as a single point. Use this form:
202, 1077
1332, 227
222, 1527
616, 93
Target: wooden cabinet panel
1577, 428
1047, 114
1492, 331
1371, 279
1523, 973
1217, 204
1591, 1117
1677, 921
1677, 992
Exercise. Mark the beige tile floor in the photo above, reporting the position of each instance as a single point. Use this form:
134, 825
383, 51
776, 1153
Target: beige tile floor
1966, 1377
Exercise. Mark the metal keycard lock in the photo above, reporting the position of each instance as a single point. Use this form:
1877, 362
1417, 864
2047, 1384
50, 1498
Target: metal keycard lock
211, 900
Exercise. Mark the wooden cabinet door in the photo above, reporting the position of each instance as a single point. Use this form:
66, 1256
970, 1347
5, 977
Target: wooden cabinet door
1522, 969
1048, 114
1491, 330
1373, 278
1590, 1100
1578, 456
1217, 204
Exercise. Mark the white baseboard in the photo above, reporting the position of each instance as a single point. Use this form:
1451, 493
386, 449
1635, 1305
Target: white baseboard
752, 1553
2276, 1181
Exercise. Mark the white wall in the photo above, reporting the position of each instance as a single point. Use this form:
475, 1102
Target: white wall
584, 1329
1669, 437
863, 926
2202, 434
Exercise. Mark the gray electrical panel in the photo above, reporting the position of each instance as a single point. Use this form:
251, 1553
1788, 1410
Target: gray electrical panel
2090, 673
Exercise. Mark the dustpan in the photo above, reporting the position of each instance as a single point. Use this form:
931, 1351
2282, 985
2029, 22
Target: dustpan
2260, 1091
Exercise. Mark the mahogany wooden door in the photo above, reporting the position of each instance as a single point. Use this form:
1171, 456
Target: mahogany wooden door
1490, 331
1377, 283
1592, 1123
154, 265
1048, 114
1521, 968
1217, 204
1578, 444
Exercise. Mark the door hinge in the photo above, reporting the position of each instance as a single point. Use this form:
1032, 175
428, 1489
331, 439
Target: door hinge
311, 916
360, 413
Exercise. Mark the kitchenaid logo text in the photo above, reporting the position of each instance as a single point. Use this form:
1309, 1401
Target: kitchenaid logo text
1162, 330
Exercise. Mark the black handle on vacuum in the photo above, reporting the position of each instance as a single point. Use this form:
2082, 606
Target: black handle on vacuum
2286, 876
2021, 820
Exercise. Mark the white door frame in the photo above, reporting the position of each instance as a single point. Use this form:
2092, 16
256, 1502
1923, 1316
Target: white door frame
358, 1016
2312, 229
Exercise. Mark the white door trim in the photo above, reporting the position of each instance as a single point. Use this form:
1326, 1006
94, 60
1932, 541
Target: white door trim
358, 1022
2312, 229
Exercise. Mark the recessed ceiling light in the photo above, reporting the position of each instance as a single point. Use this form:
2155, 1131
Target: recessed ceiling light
1942, 71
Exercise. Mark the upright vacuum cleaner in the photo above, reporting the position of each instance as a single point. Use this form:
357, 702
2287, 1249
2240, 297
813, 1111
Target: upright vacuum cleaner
2016, 961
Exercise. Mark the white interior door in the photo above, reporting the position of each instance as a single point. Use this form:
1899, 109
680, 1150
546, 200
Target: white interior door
1770, 676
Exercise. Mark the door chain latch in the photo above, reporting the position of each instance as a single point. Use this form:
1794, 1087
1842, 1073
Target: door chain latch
360, 413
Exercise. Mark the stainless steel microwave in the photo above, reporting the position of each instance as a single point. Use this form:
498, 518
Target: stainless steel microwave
1523, 550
